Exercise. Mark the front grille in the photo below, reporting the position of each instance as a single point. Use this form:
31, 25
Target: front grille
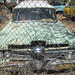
32, 45
51, 54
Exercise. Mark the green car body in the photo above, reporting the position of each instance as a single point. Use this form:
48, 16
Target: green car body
26, 32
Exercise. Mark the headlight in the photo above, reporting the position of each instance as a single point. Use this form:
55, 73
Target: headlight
7, 54
1, 54
70, 55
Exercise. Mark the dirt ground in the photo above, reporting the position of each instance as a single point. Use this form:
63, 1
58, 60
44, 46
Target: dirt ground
70, 24
4, 22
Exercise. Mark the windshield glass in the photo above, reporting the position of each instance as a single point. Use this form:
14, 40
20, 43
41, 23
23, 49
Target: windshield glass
34, 14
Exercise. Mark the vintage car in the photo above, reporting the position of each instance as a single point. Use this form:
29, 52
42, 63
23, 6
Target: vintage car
59, 6
35, 41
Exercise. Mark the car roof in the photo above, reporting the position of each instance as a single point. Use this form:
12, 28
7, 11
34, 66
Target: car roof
34, 4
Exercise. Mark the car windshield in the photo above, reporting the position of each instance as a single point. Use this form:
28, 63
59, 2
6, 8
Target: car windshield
34, 14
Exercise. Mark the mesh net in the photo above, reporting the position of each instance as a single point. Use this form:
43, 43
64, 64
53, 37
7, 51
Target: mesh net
35, 39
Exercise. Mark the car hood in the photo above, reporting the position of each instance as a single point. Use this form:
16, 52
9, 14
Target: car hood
26, 32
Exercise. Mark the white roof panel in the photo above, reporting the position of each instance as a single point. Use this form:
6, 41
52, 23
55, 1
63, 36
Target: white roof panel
33, 4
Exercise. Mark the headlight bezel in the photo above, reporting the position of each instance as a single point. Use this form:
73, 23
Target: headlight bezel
7, 54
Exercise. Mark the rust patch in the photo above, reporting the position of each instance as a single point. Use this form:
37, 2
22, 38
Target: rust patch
29, 26
15, 27
25, 27
66, 66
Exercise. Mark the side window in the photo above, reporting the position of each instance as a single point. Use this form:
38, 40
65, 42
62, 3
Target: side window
52, 13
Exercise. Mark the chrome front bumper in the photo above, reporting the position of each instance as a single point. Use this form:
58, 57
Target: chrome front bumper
51, 65
55, 59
